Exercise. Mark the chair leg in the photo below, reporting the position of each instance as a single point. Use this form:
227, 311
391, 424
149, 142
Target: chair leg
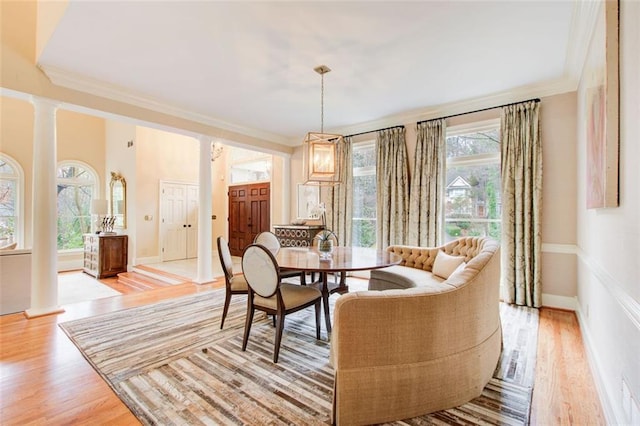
318, 315
303, 278
247, 328
227, 300
279, 328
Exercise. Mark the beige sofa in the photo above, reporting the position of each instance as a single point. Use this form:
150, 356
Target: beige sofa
403, 353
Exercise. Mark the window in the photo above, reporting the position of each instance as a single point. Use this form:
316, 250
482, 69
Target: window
472, 187
77, 185
364, 195
10, 200
249, 166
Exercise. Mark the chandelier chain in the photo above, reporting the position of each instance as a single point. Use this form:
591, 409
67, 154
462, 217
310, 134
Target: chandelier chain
322, 103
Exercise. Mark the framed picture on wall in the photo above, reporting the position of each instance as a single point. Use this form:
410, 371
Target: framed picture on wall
601, 105
308, 199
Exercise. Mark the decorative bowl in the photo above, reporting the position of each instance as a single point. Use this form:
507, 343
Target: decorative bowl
298, 222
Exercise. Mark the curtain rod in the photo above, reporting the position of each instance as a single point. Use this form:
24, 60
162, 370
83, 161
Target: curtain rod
448, 116
371, 131
479, 110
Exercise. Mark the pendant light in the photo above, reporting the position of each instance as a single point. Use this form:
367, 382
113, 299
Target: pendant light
322, 150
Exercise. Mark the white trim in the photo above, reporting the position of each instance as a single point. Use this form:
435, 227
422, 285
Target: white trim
540, 90
71, 80
473, 127
70, 265
628, 304
595, 365
568, 303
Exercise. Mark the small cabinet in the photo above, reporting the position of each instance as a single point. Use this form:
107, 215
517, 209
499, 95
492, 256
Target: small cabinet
296, 235
105, 255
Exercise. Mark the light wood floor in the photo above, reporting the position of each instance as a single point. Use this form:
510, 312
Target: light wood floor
44, 380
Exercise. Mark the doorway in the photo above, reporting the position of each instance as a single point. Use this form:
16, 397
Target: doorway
249, 214
179, 204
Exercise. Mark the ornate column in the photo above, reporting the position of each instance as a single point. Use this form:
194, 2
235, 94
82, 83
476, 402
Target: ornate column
205, 273
44, 254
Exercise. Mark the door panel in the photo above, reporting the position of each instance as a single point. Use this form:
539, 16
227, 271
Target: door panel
174, 219
193, 201
179, 232
249, 214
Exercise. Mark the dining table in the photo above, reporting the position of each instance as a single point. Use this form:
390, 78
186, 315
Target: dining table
339, 260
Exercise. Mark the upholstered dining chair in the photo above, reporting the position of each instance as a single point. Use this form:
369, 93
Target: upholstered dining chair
234, 284
271, 242
268, 294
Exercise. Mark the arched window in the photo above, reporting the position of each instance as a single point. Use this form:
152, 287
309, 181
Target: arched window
11, 202
77, 185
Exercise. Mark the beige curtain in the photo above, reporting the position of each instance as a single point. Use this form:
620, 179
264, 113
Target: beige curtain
521, 204
392, 182
340, 197
427, 181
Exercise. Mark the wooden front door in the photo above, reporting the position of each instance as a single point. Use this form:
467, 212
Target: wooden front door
249, 214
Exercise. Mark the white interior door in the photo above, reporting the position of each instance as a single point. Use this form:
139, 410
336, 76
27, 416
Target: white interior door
192, 220
174, 221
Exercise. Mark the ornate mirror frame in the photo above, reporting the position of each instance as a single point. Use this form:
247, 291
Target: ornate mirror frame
118, 200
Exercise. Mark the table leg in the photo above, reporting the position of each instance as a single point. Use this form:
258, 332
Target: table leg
325, 301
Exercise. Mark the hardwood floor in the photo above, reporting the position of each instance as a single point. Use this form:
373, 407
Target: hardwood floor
45, 380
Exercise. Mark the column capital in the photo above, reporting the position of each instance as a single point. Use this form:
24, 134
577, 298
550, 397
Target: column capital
205, 138
40, 101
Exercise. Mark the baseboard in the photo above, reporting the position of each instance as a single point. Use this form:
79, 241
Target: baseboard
69, 265
568, 303
594, 364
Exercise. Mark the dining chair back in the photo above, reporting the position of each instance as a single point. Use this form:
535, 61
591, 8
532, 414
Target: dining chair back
268, 240
234, 284
271, 242
268, 294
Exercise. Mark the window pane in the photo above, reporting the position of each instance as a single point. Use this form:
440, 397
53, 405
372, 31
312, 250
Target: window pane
472, 192
7, 208
473, 143
364, 196
75, 192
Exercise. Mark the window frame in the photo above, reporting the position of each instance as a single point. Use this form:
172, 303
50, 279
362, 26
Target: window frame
95, 194
363, 171
469, 160
18, 176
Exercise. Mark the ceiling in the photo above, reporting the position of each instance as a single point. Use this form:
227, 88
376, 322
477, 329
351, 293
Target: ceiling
248, 66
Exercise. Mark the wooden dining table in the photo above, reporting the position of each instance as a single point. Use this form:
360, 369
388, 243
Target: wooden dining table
340, 259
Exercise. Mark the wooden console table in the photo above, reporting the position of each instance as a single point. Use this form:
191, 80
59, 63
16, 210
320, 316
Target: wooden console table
296, 235
105, 255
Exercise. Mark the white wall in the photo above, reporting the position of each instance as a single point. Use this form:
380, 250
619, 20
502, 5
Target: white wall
609, 243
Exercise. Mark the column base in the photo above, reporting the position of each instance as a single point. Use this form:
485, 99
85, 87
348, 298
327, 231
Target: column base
40, 312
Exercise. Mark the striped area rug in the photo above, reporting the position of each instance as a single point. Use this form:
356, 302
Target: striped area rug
172, 365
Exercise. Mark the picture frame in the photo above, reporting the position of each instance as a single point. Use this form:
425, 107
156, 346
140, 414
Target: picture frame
308, 199
601, 109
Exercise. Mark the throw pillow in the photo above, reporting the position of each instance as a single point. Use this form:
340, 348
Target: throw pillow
445, 264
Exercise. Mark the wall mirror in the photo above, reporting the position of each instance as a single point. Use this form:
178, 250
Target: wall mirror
118, 200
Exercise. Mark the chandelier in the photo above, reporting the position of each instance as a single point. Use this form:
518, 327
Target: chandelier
322, 150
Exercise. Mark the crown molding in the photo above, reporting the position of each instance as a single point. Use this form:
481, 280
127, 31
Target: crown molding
70, 80
583, 25
538, 90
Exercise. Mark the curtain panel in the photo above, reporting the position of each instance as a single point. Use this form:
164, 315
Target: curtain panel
392, 182
427, 185
521, 204
340, 197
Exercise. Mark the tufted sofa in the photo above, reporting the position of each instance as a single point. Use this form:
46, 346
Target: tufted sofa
403, 353
415, 270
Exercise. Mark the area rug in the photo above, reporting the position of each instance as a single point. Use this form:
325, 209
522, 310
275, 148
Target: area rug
170, 363
74, 287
